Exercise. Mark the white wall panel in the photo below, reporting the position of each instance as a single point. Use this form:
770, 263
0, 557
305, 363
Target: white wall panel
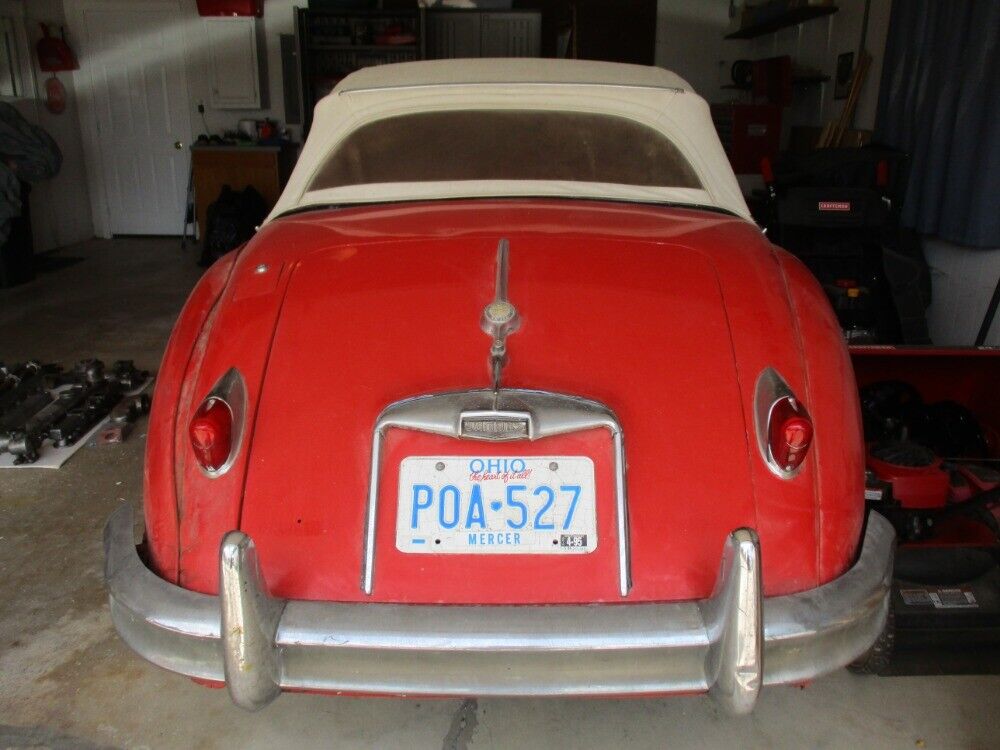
279, 18
689, 41
963, 280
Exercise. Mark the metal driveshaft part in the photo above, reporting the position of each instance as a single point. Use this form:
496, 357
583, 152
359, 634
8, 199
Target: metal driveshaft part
122, 418
12, 421
22, 382
24, 447
99, 399
24, 444
31, 413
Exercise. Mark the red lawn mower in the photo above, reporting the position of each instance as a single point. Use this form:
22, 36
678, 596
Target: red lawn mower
933, 469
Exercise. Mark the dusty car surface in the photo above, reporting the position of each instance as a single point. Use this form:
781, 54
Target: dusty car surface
508, 396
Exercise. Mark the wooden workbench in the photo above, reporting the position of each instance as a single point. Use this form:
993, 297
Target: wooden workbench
265, 167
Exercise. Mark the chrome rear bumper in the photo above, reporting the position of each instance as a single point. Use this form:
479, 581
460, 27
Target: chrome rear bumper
729, 644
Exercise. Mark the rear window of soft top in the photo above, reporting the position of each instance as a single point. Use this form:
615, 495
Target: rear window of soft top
445, 146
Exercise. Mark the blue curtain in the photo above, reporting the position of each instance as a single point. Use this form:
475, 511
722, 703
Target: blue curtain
939, 101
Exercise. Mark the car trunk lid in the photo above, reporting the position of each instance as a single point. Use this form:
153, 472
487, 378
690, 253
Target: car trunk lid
638, 326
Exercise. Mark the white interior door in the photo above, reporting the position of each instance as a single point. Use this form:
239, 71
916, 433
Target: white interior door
133, 67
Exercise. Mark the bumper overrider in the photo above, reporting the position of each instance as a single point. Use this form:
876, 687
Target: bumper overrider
729, 644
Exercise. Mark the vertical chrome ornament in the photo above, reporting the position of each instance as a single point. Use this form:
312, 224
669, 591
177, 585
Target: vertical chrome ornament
500, 317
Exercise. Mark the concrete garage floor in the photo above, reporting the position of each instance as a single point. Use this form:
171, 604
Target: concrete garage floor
67, 681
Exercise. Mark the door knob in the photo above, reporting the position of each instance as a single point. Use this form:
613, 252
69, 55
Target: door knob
178, 145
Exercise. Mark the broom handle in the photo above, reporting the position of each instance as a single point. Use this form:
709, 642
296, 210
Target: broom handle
991, 311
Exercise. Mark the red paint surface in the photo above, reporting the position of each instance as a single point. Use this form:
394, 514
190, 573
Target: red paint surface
963, 374
496, 579
957, 531
914, 487
831, 398
160, 489
666, 315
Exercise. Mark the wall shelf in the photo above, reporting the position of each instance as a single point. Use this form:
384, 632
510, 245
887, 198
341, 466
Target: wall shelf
333, 43
791, 17
808, 80
805, 80
361, 47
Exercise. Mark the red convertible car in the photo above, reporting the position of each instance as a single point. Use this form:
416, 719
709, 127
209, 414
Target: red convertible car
508, 396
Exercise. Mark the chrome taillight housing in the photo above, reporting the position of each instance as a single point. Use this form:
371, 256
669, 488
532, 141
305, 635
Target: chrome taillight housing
216, 429
783, 426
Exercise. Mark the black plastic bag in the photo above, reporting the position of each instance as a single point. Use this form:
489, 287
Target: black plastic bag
231, 220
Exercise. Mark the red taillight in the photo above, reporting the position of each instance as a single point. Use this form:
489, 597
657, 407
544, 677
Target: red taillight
790, 434
212, 434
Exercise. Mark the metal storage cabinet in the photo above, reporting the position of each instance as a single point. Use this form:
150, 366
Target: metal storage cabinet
335, 43
453, 34
511, 34
461, 33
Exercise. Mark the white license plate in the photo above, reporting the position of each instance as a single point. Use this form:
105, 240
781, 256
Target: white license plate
541, 505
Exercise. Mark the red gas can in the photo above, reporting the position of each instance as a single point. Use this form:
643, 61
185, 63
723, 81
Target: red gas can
231, 8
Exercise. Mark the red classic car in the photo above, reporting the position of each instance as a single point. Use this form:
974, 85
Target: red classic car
508, 396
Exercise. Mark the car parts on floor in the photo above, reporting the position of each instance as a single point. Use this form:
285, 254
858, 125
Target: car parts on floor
40, 403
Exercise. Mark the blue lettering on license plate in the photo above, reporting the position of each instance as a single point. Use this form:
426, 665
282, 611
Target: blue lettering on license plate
535, 505
531, 508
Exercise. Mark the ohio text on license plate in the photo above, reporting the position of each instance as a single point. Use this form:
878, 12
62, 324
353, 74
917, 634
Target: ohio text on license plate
542, 505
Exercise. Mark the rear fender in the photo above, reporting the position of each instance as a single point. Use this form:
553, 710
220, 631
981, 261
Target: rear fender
765, 336
237, 336
160, 500
838, 446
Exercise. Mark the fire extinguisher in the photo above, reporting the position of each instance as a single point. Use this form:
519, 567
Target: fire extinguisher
55, 55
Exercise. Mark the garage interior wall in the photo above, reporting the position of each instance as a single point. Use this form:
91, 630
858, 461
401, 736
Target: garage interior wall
963, 280
60, 207
279, 18
689, 40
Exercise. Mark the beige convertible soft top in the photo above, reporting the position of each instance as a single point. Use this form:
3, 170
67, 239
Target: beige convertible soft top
652, 97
